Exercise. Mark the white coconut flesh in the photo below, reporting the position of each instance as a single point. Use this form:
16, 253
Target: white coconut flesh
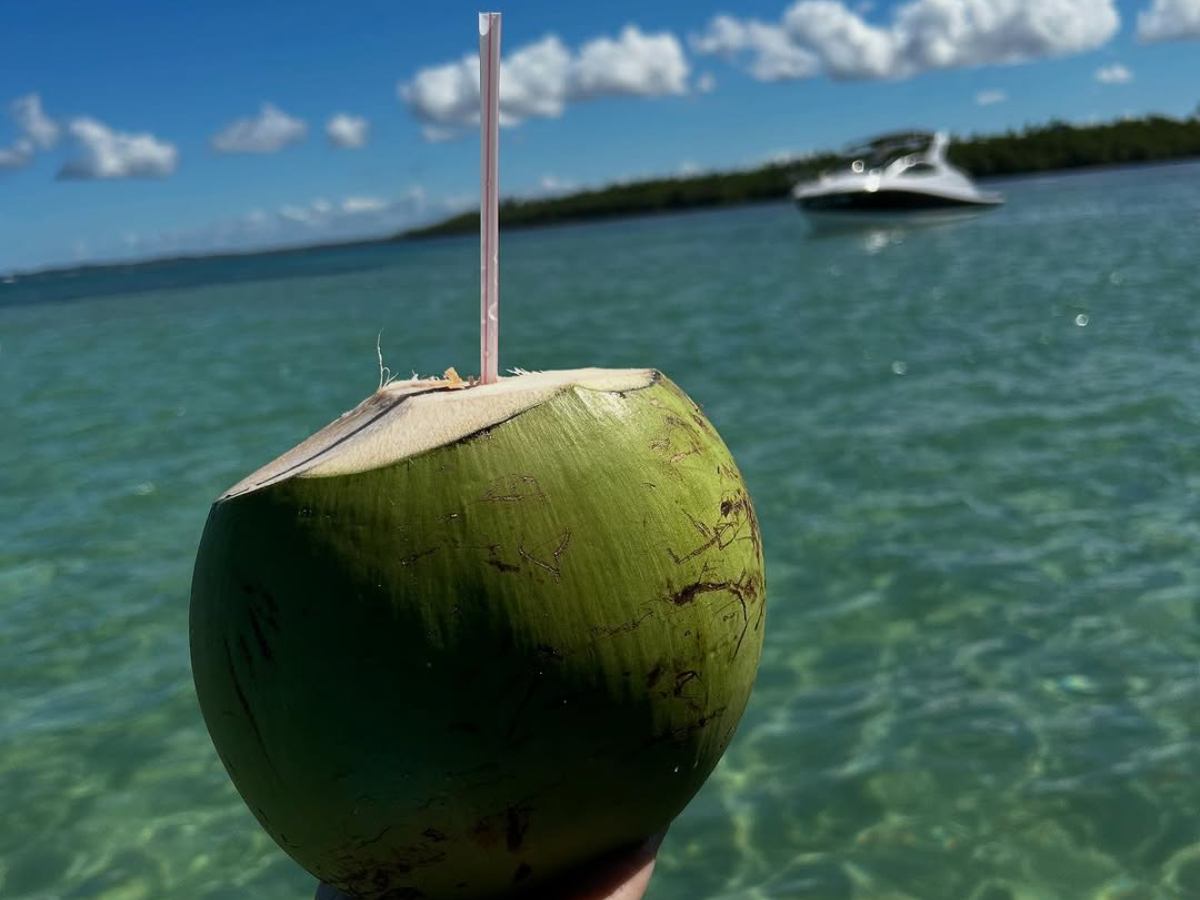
407, 418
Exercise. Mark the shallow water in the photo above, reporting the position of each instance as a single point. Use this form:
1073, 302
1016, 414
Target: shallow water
973, 450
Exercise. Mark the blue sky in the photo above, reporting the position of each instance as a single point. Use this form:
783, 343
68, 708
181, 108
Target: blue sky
144, 128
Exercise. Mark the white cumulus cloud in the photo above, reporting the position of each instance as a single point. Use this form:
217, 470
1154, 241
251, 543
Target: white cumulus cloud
1170, 20
541, 79
828, 37
533, 83
271, 130
990, 98
347, 131
301, 215
550, 185
773, 57
104, 153
846, 45
350, 211
1114, 74
357, 206
37, 132
18, 155
633, 65
35, 125
293, 224
446, 94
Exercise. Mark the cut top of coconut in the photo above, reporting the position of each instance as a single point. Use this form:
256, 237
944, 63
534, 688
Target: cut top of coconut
405, 418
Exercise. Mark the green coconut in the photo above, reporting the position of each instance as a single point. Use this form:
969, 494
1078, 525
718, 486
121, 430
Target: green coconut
462, 640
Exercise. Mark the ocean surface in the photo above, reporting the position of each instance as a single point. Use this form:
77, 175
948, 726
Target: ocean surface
974, 450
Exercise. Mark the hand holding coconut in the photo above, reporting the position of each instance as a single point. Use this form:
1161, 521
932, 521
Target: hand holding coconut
468, 638
620, 876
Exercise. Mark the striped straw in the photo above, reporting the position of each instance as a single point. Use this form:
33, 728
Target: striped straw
489, 200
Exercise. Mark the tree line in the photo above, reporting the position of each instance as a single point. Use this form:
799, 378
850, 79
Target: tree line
1038, 148
1062, 146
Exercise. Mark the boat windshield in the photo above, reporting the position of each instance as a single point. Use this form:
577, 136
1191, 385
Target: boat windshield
880, 152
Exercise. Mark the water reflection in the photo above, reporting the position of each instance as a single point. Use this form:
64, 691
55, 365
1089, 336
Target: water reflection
866, 225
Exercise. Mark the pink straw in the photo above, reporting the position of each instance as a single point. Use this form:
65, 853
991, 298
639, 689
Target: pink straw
489, 201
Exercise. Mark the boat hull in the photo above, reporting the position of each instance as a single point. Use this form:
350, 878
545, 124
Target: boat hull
890, 207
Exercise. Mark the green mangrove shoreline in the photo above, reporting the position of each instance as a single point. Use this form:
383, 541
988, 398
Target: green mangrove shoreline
1052, 147
1056, 146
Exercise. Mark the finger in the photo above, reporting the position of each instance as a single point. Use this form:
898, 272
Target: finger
623, 875
635, 886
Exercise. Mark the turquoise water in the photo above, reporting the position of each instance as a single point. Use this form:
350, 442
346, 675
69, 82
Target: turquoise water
974, 453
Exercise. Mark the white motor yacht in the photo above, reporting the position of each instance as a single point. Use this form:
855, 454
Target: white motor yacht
894, 178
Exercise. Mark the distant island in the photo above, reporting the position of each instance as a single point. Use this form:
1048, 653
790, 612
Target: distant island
1040, 148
